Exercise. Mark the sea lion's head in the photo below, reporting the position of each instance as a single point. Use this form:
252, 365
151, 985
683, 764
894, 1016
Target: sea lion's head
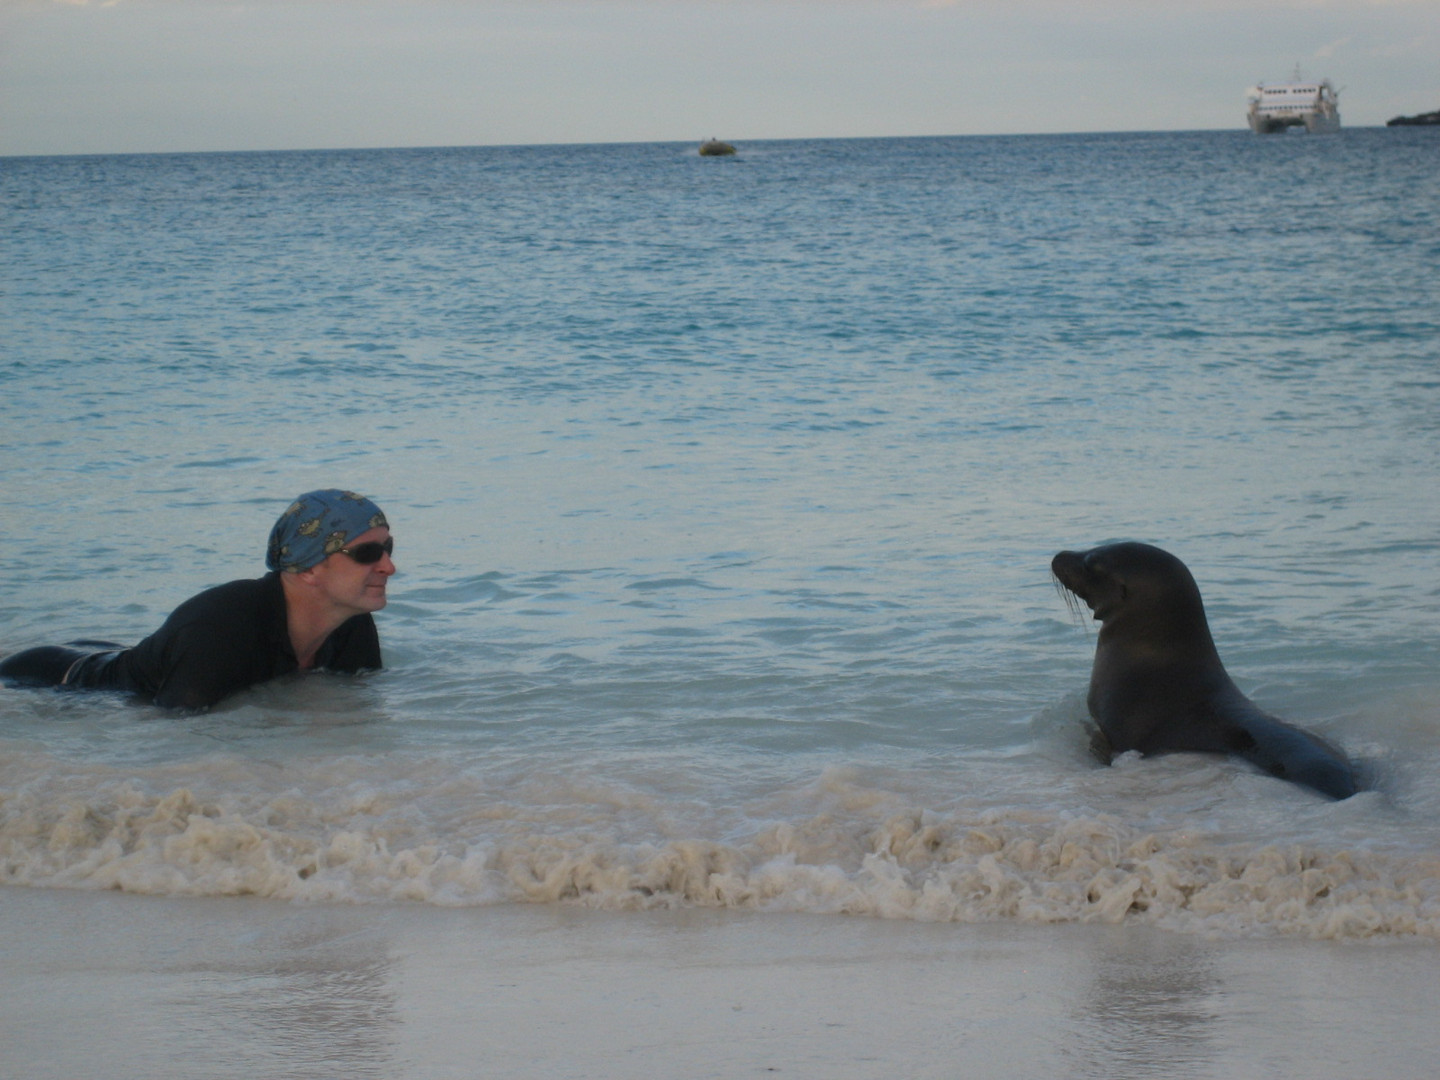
1129, 580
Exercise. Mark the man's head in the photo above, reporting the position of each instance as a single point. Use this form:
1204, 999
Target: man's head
317, 525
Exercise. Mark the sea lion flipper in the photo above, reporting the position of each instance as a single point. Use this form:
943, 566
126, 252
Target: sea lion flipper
1099, 742
1294, 755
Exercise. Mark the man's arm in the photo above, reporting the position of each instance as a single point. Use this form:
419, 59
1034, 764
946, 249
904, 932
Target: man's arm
204, 663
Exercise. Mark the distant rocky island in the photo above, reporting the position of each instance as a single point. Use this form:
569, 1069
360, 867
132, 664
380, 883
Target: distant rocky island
1422, 120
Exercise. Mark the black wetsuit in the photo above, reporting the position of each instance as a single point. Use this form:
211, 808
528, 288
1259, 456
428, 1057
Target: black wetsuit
223, 640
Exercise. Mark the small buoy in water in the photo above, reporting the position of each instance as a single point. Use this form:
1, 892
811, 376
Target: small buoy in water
715, 148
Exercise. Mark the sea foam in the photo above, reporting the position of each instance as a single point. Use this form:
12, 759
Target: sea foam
355, 841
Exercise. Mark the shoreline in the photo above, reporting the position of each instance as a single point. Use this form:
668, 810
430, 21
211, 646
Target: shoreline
219, 988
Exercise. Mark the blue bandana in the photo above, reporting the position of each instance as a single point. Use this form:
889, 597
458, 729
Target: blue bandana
318, 524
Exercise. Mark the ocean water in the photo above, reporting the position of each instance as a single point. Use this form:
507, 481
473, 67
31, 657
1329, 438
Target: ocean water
724, 493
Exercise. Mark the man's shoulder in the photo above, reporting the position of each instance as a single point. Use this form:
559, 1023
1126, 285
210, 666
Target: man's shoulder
234, 599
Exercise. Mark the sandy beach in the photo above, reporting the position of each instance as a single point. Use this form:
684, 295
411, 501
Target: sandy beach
109, 984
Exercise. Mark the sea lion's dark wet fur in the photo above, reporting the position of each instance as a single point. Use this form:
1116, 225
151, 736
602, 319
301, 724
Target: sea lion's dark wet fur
1158, 685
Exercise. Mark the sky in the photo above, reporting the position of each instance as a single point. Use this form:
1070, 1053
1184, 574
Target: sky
141, 76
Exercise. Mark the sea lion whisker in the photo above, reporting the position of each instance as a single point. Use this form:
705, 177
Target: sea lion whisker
1072, 602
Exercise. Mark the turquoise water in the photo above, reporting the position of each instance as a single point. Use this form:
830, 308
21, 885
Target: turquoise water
725, 492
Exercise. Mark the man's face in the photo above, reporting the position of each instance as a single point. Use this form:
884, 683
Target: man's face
353, 586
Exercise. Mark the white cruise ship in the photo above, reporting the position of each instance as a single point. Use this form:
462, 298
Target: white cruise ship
1315, 106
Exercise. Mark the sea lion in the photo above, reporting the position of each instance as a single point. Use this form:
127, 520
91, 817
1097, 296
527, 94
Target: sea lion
1158, 685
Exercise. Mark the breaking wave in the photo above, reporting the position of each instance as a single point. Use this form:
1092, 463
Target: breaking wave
864, 854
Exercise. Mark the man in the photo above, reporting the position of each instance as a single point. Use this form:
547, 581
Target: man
329, 561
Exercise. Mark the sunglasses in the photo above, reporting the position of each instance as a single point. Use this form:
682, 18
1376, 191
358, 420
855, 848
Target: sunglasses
370, 552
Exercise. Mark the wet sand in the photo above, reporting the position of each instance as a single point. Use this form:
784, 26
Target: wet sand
114, 985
